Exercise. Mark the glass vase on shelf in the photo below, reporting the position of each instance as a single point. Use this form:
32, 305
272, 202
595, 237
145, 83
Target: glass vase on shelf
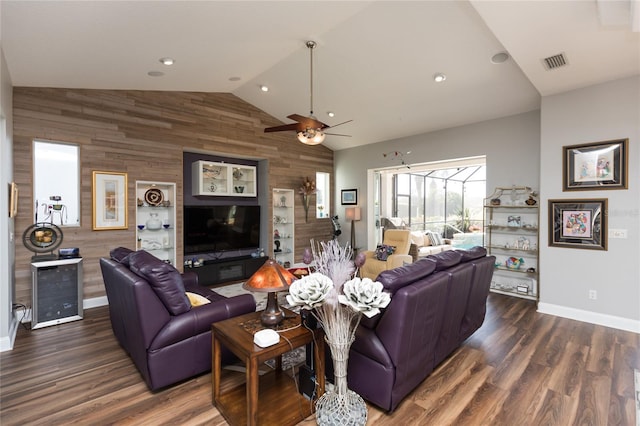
154, 223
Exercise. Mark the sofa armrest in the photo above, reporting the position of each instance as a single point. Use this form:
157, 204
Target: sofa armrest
199, 319
398, 260
413, 251
190, 279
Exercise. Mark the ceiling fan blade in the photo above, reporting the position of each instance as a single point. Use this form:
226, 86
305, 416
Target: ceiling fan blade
309, 122
340, 124
337, 134
283, 128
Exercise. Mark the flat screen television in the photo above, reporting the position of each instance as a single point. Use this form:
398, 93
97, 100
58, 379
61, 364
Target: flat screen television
211, 229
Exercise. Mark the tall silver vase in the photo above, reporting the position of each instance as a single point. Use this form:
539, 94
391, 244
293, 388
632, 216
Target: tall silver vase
340, 406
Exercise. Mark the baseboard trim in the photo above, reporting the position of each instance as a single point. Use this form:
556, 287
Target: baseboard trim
6, 342
619, 323
95, 302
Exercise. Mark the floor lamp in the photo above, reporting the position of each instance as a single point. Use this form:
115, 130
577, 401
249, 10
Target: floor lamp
353, 214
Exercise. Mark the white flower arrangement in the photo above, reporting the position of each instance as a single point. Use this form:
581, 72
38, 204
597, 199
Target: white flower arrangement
334, 295
362, 295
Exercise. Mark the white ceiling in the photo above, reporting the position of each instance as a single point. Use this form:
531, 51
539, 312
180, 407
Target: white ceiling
374, 62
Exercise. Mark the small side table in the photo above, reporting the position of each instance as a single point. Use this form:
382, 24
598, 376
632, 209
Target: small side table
272, 398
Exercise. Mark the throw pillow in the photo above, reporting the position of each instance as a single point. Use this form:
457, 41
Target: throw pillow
196, 299
417, 238
383, 251
434, 238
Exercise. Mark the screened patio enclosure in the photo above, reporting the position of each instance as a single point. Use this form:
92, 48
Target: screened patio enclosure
446, 198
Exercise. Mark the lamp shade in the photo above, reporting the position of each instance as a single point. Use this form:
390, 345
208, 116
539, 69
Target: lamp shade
352, 213
271, 277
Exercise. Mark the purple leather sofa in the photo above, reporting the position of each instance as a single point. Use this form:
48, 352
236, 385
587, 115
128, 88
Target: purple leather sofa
152, 318
436, 303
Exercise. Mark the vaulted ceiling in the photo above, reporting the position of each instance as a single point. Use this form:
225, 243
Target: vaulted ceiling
374, 63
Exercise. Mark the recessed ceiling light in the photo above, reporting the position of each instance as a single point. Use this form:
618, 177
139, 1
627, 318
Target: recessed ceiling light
264, 88
167, 61
439, 77
331, 114
234, 79
499, 58
155, 73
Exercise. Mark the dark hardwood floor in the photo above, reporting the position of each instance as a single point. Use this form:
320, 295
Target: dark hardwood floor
520, 368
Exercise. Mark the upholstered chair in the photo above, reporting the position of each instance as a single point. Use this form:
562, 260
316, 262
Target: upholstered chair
398, 238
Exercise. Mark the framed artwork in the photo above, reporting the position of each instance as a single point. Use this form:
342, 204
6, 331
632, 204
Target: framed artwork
599, 165
349, 197
578, 224
13, 199
109, 201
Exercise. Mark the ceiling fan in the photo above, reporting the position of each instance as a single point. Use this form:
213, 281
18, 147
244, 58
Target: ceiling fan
310, 130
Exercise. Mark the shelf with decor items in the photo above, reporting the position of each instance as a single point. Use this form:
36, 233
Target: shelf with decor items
156, 219
284, 226
511, 220
223, 179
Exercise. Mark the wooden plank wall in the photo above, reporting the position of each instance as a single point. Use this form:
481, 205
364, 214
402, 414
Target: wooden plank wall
144, 133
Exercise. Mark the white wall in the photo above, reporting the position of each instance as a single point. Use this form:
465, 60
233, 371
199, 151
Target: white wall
511, 145
7, 321
597, 113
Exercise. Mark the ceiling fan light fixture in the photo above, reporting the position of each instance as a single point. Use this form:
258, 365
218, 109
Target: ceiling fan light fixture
311, 137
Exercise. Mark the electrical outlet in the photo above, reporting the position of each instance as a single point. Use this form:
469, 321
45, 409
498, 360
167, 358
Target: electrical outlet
593, 295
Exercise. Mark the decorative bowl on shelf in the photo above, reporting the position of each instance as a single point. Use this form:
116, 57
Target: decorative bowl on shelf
514, 263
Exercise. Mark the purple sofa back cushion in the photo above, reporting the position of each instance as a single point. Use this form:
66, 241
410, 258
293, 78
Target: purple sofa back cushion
446, 259
473, 253
396, 278
121, 255
165, 280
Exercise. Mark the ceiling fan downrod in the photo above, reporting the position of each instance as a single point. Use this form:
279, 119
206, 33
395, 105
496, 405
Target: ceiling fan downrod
311, 45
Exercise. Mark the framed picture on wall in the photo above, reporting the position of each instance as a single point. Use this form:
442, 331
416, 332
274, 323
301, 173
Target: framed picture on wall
13, 199
349, 197
109, 201
598, 165
580, 224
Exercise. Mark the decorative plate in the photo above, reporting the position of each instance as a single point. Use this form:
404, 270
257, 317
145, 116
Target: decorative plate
154, 197
42, 237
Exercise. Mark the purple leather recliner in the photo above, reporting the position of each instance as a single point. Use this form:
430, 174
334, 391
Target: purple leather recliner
436, 303
152, 318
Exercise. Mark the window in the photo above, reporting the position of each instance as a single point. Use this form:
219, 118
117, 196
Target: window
56, 183
446, 197
323, 195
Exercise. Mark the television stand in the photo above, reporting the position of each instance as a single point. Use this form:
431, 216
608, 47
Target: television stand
221, 271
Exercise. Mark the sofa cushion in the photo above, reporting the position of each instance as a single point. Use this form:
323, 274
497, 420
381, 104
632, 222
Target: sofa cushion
394, 279
473, 253
121, 255
163, 278
383, 251
446, 259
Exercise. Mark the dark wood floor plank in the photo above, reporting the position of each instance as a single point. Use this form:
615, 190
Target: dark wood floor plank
520, 368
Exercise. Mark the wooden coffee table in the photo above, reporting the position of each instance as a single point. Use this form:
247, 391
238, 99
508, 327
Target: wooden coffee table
271, 398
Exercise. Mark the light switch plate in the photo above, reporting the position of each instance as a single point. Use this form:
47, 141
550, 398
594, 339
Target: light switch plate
618, 233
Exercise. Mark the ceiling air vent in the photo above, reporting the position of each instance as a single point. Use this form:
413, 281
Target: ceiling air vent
555, 61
